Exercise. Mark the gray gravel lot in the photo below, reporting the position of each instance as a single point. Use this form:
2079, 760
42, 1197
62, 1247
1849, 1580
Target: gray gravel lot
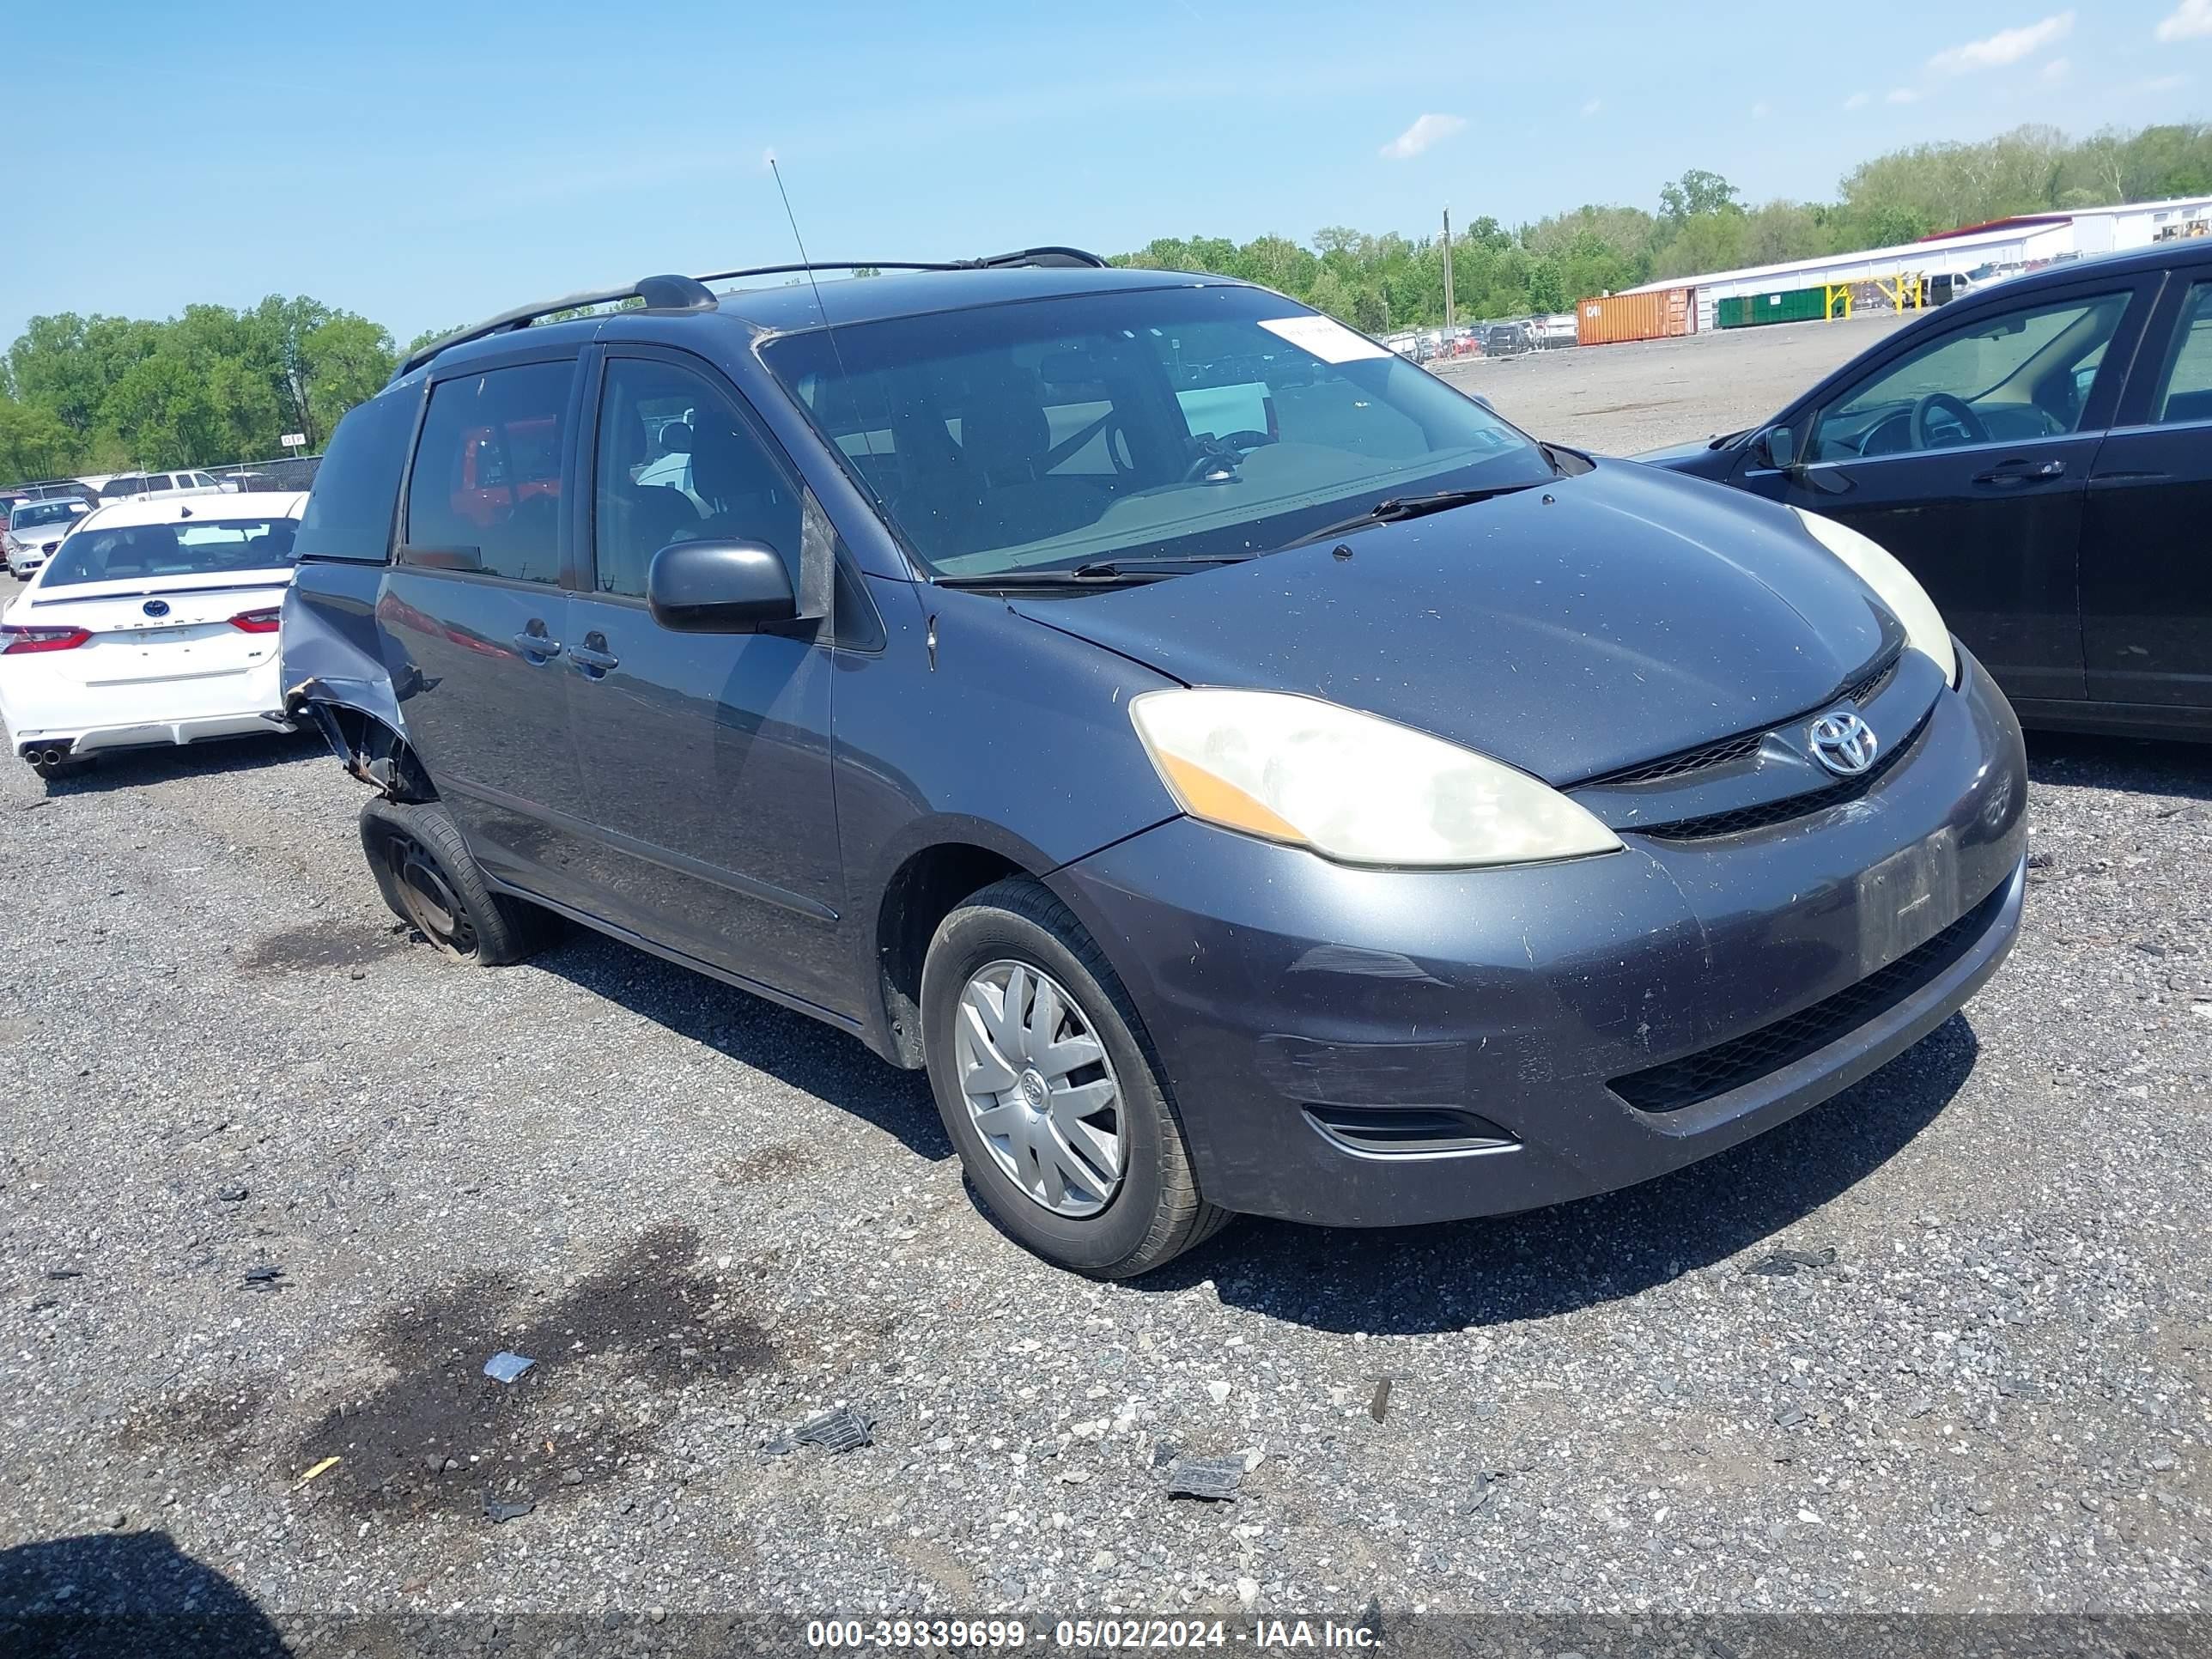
1617, 399
1939, 1345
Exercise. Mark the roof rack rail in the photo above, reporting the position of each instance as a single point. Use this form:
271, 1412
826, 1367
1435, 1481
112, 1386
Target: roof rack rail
1071, 257
663, 294
681, 294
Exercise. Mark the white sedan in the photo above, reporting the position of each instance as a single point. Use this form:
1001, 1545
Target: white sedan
34, 529
153, 622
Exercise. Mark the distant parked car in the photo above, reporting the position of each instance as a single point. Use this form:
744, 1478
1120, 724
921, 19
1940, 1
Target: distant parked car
1505, 340
154, 623
2039, 453
35, 529
1554, 331
125, 486
49, 489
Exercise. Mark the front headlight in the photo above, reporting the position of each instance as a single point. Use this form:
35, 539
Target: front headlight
1350, 787
1898, 587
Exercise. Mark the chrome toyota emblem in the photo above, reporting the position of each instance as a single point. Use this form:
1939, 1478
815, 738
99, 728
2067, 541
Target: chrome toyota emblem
155, 607
1844, 743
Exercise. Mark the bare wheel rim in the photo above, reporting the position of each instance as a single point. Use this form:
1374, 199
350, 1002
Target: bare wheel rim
431, 903
1039, 1088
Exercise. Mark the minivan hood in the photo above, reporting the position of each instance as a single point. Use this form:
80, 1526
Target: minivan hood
1571, 629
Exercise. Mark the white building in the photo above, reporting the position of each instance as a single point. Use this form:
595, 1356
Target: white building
2028, 240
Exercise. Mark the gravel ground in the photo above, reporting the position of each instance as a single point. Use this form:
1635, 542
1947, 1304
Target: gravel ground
1617, 399
1940, 1345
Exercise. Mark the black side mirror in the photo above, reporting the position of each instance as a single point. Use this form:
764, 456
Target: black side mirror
719, 588
1779, 445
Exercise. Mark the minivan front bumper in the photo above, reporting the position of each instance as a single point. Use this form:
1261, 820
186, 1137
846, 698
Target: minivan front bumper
1378, 1048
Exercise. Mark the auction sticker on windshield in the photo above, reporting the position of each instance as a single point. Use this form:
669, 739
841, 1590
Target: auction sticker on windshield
1328, 339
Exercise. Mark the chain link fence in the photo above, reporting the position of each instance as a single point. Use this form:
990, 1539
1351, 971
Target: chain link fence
282, 472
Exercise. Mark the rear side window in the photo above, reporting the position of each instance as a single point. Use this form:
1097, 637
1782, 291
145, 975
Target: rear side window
486, 488
349, 515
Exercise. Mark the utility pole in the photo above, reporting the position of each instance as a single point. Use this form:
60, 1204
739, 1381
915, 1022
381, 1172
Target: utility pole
1448, 307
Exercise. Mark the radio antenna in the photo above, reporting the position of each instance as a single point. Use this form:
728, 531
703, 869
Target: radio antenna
803, 260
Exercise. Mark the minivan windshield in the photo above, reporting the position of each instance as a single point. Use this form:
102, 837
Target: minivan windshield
1187, 422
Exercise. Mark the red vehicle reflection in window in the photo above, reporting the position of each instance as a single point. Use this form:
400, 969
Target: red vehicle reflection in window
503, 466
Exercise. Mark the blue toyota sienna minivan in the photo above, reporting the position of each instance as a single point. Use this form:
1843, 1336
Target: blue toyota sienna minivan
1247, 774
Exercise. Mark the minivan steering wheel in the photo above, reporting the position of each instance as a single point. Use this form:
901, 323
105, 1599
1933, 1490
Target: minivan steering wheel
1957, 409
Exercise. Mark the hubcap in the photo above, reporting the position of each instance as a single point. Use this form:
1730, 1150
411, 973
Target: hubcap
1040, 1089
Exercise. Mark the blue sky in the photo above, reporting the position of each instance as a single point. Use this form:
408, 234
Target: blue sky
426, 165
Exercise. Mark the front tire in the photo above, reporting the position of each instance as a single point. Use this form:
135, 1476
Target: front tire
1050, 1092
432, 882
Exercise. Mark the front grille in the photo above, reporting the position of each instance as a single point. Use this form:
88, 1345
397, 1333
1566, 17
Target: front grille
1873, 682
1720, 753
1690, 760
1698, 1078
1741, 818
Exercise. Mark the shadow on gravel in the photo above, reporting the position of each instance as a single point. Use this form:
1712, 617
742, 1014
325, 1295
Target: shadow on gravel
2144, 765
792, 1048
443, 1437
1547, 1262
132, 769
126, 1596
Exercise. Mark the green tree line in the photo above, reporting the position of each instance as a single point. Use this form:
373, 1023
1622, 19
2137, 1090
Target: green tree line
83, 394
108, 394
1700, 224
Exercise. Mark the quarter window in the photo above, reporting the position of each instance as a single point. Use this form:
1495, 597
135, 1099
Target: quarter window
486, 488
2187, 396
349, 515
678, 461
2012, 378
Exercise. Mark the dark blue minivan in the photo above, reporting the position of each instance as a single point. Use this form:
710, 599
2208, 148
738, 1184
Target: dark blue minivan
1249, 774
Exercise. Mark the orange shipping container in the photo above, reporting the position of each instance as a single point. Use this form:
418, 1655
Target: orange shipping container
1658, 315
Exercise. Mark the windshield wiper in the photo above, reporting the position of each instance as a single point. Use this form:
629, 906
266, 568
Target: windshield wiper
1103, 573
1397, 508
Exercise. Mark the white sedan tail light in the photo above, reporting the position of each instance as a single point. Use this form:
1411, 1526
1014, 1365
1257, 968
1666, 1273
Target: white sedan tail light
22, 641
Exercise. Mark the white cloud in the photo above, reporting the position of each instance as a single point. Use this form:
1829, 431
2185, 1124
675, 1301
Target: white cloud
2057, 69
2192, 20
2163, 83
2005, 46
1427, 130
1593, 106
1859, 101
1761, 110
1903, 95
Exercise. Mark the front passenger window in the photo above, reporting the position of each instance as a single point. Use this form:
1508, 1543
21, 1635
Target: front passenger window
2187, 394
678, 461
2011, 378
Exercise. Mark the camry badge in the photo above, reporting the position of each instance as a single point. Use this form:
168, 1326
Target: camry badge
1844, 743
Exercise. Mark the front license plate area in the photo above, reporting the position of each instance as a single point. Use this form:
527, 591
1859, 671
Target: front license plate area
1907, 899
